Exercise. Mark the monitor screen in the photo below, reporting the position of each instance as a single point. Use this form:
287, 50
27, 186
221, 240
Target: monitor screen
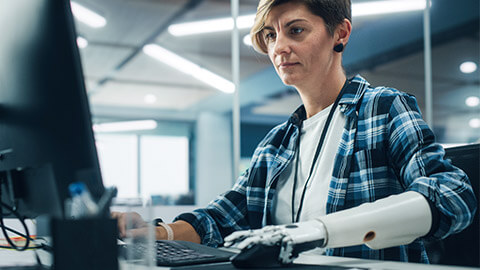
46, 137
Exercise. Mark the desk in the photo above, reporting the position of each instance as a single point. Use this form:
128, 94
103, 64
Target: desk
11, 258
370, 264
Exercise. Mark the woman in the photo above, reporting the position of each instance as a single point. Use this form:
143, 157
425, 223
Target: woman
348, 144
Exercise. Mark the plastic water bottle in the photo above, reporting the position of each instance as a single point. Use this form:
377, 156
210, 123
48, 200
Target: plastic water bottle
82, 204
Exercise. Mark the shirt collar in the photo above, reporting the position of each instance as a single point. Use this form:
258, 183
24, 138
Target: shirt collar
298, 116
354, 91
348, 103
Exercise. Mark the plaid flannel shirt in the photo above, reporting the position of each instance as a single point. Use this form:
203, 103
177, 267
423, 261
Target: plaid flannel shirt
386, 148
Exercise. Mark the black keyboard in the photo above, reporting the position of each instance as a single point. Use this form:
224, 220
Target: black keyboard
177, 253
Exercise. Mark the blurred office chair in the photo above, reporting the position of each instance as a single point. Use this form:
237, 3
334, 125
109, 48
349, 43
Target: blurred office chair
462, 249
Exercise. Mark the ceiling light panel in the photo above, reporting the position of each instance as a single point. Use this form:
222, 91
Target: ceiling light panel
167, 57
87, 16
246, 21
468, 67
472, 101
82, 42
386, 7
208, 26
125, 126
474, 123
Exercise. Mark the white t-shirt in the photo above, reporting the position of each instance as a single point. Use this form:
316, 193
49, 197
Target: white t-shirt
314, 204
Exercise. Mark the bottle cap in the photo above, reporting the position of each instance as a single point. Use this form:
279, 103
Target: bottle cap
76, 188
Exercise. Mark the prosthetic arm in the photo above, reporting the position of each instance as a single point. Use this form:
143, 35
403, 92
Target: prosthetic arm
392, 221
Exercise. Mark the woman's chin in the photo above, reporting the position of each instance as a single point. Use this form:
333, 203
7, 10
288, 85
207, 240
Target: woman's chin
289, 80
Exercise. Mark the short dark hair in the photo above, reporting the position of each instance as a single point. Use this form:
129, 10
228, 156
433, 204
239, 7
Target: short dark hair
333, 12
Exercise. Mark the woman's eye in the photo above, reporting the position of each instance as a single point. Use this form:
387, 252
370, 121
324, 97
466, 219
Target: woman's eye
296, 30
269, 36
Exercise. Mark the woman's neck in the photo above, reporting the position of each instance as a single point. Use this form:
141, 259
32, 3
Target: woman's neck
322, 94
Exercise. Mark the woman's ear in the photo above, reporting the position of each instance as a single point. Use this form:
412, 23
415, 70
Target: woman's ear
343, 32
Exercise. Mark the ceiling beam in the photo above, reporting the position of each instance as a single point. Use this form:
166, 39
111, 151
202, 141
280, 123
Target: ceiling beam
191, 4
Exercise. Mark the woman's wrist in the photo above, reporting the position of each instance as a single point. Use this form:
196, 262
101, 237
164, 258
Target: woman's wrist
168, 235
163, 230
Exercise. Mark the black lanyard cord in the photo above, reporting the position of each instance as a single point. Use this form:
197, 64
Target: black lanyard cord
315, 157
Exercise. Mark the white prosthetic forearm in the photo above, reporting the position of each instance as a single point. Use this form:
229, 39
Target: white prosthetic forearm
392, 221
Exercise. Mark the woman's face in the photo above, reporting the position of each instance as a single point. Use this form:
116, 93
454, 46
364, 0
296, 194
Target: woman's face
298, 44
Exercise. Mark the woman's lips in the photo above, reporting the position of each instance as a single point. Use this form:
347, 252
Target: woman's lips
287, 64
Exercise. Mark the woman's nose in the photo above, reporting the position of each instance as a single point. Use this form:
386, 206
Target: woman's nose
282, 44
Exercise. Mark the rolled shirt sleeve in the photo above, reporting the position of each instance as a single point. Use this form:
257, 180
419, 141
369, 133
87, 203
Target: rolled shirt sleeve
421, 166
224, 215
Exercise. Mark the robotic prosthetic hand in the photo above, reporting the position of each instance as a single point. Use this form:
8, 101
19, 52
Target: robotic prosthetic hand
392, 221
275, 245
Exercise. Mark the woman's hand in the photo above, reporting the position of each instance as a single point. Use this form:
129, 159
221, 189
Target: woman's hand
132, 223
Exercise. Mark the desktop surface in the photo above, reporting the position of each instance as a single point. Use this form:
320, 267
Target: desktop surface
229, 266
315, 261
10, 259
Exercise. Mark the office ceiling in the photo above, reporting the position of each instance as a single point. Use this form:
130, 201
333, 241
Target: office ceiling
386, 49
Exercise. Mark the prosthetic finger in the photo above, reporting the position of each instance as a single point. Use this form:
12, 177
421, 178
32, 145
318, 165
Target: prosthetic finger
236, 237
248, 241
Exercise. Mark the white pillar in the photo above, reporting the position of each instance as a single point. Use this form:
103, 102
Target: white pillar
236, 95
213, 157
428, 65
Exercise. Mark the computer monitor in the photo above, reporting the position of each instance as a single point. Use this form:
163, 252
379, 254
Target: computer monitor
46, 137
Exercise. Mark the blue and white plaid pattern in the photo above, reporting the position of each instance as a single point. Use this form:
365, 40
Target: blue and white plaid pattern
386, 148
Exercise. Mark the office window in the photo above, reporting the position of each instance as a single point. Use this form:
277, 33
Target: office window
164, 165
144, 166
118, 157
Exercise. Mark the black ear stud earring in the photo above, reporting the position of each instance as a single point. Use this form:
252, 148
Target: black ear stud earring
339, 47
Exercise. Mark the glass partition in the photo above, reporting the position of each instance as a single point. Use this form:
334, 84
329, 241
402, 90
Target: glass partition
138, 67
456, 87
